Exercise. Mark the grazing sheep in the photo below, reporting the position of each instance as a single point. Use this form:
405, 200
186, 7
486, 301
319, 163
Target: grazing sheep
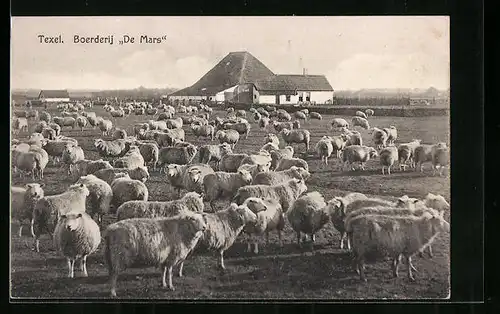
177, 155
23, 200
193, 177
286, 163
165, 116
81, 122
240, 127
296, 136
357, 153
40, 126
269, 147
100, 196
228, 136
263, 122
388, 157
261, 158
150, 153
160, 242
392, 134
406, 153
351, 138
339, 123
425, 153
93, 121
49, 133
256, 116
76, 236
20, 124
277, 155
369, 112
223, 227
324, 148
56, 127
214, 153
55, 148
50, 207
131, 160
230, 162
270, 217
71, 155
149, 209
126, 189
203, 130
109, 174
169, 136
119, 134
263, 112
45, 116
279, 126
440, 159
361, 114
308, 214
300, 115
223, 185
315, 115
282, 115
436, 202
105, 126
286, 192
176, 123
115, 148
278, 177
379, 138
361, 122
376, 236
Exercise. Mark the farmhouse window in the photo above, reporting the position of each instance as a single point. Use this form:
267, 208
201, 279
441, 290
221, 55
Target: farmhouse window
301, 98
288, 97
308, 98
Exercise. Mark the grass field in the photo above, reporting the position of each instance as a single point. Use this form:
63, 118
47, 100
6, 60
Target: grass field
320, 272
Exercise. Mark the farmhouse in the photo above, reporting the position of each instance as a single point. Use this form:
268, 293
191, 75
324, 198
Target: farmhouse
241, 78
52, 96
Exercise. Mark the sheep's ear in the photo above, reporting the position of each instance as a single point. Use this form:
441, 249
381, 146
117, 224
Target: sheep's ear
415, 201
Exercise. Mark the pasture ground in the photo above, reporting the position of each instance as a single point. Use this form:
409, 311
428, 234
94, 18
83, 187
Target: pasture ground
319, 272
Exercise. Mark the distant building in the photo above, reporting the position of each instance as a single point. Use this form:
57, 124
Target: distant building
52, 96
241, 78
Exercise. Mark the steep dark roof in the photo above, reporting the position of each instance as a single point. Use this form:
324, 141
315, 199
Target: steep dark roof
54, 93
289, 83
235, 68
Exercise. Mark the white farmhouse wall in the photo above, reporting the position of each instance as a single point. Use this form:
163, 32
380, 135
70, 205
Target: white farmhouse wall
267, 99
293, 99
56, 99
321, 97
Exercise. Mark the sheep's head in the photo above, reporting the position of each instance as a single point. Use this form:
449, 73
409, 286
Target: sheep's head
337, 207
220, 134
34, 190
437, 202
296, 124
271, 138
194, 174
290, 149
195, 222
245, 175
71, 220
372, 152
80, 188
263, 167
245, 214
300, 173
194, 201
407, 202
300, 185
255, 204
437, 221
172, 170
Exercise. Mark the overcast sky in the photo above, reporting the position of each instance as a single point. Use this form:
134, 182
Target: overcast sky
353, 52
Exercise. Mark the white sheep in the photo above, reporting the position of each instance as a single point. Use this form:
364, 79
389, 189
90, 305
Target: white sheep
397, 235
388, 157
437, 202
230, 162
214, 153
279, 126
223, 185
40, 126
296, 136
278, 177
324, 148
228, 136
105, 126
270, 217
357, 153
149, 209
20, 124
379, 138
277, 155
282, 115
273, 139
126, 189
240, 127
425, 153
23, 200
369, 112
193, 177
150, 152
315, 115
164, 242
50, 207
115, 148
76, 236
440, 160
300, 115
131, 160
361, 122
287, 163
262, 157
255, 169
286, 192
392, 134
176, 155
339, 123
100, 195
361, 114
406, 153
71, 155
108, 174
203, 131
81, 122
119, 134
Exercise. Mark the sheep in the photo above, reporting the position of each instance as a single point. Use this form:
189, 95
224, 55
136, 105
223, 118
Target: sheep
279, 126
392, 134
109, 174
140, 126
29, 162
357, 153
282, 115
203, 130
308, 214
49, 208
20, 124
126, 189
339, 123
361, 122
375, 236
261, 158
273, 139
164, 116
300, 115
286, 192
351, 138
425, 153
86, 166
286, 163
23, 200
440, 159
131, 160
223, 227
36, 139
241, 128
71, 155
230, 162
278, 177
100, 196
315, 115
263, 112
228, 136
361, 114
168, 137
151, 111
115, 148
406, 153
150, 152
256, 116
177, 155
164, 242
76, 236
40, 126
119, 113
296, 136
105, 126
56, 127
255, 169
81, 122
270, 217
55, 148
269, 147
214, 153
49, 133
324, 148
263, 122
45, 116
277, 155
174, 123
149, 209
193, 177
379, 138
119, 134
436, 202
388, 157
223, 185
369, 112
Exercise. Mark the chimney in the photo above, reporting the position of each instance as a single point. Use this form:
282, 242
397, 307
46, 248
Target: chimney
304, 71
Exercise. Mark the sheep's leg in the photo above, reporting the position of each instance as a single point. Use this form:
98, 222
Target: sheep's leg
363, 166
221, 265
360, 268
313, 238
410, 275
429, 250
249, 246
342, 238
37, 245
181, 267
84, 266
71, 265
395, 265
20, 230
389, 170
326, 160
256, 248
383, 170
267, 237
298, 238
280, 239
349, 242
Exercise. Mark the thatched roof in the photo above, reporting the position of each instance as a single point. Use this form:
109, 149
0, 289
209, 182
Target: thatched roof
288, 84
235, 68
54, 93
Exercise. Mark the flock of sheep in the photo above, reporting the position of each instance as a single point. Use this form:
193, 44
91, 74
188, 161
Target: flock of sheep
261, 191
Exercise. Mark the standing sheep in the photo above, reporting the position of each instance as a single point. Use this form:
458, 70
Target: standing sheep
361, 114
193, 177
357, 153
230, 162
379, 138
76, 236
177, 155
203, 131
240, 127
286, 163
119, 134
388, 157
263, 122
109, 174
273, 139
131, 160
369, 112
361, 122
223, 185
163, 242
126, 189
105, 126
296, 136
392, 134
277, 155
440, 159
300, 115
115, 148
315, 115
23, 200
406, 153
81, 122
214, 153
324, 148
339, 123
71, 155
278, 177
150, 153
100, 195
425, 153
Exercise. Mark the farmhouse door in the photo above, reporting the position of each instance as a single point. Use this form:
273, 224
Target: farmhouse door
277, 99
